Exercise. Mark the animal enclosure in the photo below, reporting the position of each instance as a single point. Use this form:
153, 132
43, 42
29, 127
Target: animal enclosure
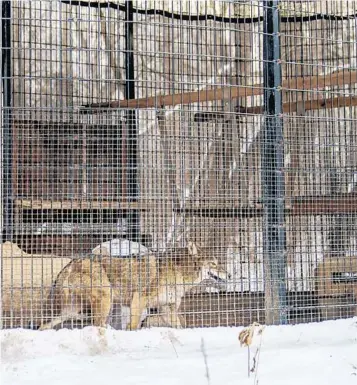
196, 160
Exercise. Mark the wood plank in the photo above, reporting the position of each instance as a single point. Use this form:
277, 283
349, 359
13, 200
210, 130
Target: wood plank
308, 205
341, 204
319, 104
289, 107
39, 204
221, 211
305, 83
314, 205
59, 228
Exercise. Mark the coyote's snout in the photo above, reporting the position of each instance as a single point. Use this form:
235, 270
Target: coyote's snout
91, 285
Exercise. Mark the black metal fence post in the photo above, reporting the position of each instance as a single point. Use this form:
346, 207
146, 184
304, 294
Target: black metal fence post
6, 73
132, 139
273, 187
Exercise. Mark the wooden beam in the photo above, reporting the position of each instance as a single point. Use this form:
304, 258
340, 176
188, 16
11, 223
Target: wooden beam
229, 92
39, 204
340, 204
289, 107
310, 205
310, 105
223, 212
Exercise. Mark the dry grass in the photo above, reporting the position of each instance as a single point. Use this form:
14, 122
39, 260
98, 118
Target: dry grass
245, 338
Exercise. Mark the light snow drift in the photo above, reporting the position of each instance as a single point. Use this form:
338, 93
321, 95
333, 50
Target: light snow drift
317, 354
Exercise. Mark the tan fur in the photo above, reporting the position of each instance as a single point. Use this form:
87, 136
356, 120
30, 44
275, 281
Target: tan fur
93, 284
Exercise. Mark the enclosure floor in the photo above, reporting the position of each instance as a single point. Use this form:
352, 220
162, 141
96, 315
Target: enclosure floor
317, 353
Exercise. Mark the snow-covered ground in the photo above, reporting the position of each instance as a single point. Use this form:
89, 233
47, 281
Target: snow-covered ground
321, 353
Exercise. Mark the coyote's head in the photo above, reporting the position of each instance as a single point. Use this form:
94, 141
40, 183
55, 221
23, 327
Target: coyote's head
208, 268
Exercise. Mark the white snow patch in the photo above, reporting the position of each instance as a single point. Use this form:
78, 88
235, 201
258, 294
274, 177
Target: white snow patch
122, 248
318, 353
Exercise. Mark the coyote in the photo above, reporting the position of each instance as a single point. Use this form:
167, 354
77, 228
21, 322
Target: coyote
93, 284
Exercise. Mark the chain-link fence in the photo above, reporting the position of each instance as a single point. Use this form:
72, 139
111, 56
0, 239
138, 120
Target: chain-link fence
178, 163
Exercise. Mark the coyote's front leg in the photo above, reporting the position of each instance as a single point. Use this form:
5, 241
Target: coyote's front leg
169, 313
137, 307
100, 301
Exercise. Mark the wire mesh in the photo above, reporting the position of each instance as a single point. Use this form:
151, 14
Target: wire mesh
152, 211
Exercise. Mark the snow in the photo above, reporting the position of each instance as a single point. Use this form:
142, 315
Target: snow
122, 248
317, 353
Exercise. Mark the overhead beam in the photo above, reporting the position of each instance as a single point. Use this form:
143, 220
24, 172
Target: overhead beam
309, 84
288, 107
324, 205
303, 205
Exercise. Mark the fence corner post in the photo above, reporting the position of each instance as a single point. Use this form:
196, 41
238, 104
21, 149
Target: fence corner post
272, 158
132, 139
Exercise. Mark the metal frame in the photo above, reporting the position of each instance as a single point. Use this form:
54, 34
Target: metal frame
272, 160
131, 132
270, 211
7, 204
